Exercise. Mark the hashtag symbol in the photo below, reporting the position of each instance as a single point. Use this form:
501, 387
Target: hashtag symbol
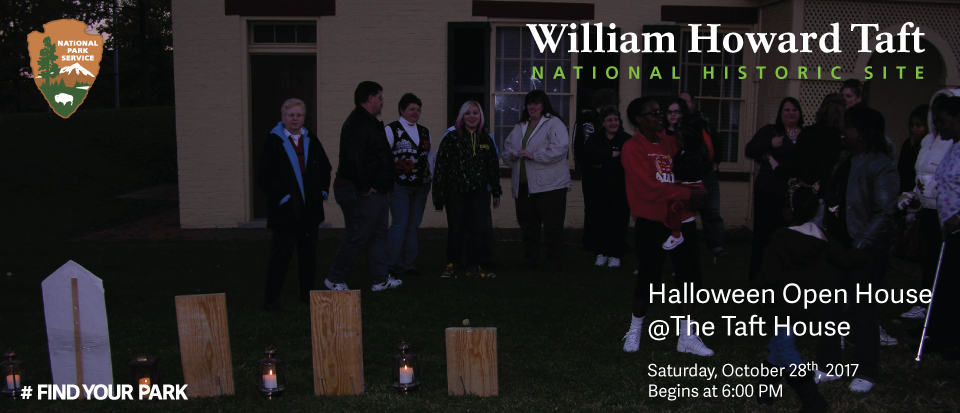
25, 392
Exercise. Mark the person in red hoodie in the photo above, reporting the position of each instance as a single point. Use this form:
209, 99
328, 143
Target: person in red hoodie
651, 187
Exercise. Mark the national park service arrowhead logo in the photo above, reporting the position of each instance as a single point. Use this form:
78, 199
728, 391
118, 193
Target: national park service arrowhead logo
65, 62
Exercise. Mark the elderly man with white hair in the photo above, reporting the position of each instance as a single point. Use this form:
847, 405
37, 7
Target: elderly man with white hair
295, 174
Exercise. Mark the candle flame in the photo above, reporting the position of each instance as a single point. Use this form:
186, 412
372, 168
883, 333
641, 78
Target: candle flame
269, 372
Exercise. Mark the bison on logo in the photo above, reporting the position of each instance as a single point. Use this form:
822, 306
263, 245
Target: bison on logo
65, 60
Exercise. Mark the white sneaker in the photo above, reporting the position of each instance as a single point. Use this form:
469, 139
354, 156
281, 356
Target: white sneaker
672, 242
886, 340
860, 386
693, 345
821, 377
631, 341
386, 285
601, 260
915, 313
613, 262
335, 286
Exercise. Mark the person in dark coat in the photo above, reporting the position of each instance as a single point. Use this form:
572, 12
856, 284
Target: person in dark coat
861, 200
817, 153
710, 217
770, 146
365, 177
805, 255
587, 125
295, 175
611, 213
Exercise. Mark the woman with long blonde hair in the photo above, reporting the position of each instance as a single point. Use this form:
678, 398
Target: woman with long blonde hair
466, 176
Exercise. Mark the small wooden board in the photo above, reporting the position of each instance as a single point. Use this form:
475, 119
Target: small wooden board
205, 344
337, 342
472, 361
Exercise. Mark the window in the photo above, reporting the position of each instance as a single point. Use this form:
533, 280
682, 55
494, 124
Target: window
517, 55
719, 96
262, 33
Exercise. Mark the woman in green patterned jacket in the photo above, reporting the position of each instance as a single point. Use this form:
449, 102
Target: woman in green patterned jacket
466, 176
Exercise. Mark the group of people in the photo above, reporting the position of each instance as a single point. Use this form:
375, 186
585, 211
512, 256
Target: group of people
825, 201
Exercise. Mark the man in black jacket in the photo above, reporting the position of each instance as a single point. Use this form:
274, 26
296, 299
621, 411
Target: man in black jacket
365, 176
295, 175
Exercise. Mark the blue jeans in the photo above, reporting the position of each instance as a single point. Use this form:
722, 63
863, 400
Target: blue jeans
406, 211
365, 218
783, 349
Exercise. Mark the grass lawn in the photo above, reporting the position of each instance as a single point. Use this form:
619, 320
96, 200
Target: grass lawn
558, 333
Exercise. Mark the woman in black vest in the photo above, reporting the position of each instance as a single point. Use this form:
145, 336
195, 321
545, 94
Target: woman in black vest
410, 143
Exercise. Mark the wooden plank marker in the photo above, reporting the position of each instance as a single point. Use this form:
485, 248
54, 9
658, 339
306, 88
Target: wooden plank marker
205, 344
337, 342
77, 333
472, 361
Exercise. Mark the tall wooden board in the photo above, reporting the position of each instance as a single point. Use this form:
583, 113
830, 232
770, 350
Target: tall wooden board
77, 333
205, 344
472, 361
337, 342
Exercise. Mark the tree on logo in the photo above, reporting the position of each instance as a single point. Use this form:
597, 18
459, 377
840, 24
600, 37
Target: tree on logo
48, 57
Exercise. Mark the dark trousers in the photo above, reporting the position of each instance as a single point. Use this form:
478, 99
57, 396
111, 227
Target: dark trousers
930, 240
365, 219
466, 216
864, 319
282, 244
651, 256
611, 219
946, 298
592, 235
545, 210
485, 256
767, 217
710, 213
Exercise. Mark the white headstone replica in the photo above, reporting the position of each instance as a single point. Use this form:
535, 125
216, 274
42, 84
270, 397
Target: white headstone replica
77, 327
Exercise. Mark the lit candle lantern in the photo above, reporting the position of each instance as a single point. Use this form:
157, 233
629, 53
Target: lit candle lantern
12, 371
406, 374
144, 370
271, 378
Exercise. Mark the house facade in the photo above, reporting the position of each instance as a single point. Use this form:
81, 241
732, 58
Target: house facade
236, 61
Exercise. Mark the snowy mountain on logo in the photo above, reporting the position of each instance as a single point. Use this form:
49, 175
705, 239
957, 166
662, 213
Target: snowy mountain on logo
80, 70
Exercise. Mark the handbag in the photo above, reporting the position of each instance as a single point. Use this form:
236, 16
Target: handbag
907, 245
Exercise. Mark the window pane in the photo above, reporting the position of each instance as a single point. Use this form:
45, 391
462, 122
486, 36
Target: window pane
307, 34
561, 104
530, 49
711, 87
527, 80
508, 42
558, 84
711, 58
506, 114
286, 34
710, 109
691, 79
262, 34
508, 76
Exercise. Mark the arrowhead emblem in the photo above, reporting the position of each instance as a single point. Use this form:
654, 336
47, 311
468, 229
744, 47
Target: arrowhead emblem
65, 62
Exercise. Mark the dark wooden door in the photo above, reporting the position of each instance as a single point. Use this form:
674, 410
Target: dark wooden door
273, 80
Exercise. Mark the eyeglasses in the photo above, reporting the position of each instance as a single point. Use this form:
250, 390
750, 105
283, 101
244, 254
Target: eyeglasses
673, 112
657, 112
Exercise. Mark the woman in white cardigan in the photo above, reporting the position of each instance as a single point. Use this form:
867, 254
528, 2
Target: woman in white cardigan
921, 203
537, 151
